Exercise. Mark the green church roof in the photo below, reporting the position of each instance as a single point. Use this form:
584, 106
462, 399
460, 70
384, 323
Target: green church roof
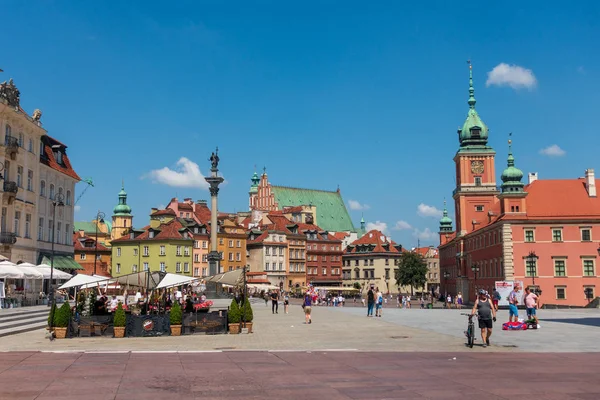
332, 214
445, 221
511, 176
474, 131
90, 227
122, 209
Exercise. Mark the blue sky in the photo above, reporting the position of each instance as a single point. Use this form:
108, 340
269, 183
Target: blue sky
364, 96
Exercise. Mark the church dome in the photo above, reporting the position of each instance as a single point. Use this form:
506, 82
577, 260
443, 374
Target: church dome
511, 176
122, 209
474, 131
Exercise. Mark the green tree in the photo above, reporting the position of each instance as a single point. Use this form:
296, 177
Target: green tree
175, 315
412, 270
356, 285
62, 316
247, 314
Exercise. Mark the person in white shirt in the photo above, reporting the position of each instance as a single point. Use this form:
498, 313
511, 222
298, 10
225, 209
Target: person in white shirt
114, 303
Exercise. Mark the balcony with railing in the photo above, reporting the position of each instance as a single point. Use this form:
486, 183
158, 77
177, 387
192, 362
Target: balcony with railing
10, 191
8, 238
11, 145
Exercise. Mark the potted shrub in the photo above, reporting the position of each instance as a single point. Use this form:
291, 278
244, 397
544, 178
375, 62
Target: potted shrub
247, 315
62, 318
175, 317
119, 321
52, 317
233, 317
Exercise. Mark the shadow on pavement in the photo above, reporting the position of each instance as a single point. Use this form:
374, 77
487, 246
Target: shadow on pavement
577, 321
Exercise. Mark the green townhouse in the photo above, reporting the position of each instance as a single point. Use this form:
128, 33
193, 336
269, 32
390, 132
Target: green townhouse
164, 245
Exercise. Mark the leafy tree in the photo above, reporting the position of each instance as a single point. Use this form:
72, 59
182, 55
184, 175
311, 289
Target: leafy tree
120, 318
234, 314
175, 315
412, 270
356, 285
247, 313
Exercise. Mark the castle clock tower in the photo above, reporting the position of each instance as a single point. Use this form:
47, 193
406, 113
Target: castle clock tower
475, 196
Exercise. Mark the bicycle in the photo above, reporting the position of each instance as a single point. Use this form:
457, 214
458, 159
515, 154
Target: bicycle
470, 332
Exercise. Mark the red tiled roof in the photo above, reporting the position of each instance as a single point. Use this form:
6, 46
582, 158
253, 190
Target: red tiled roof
568, 198
50, 161
259, 239
202, 214
293, 209
341, 235
78, 246
166, 211
185, 206
376, 238
424, 250
169, 230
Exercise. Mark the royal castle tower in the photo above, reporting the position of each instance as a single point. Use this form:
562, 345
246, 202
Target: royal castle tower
122, 218
475, 196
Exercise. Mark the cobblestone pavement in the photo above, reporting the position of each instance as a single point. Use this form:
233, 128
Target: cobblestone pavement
298, 375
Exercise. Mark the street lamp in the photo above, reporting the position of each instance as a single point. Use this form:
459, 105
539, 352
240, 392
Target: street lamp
57, 201
531, 265
99, 220
475, 269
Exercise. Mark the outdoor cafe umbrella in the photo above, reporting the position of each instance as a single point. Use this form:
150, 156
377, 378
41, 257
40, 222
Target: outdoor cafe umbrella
30, 271
57, 273
9, 270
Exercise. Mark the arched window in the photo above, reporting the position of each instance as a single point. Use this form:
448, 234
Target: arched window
68, 199
51, 191
30, 145
20, 140
43, 188
60, 193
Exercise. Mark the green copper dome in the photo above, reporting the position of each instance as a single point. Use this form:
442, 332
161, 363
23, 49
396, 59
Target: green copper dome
122, 209
511, 176
474, 130
255, 180
445, 221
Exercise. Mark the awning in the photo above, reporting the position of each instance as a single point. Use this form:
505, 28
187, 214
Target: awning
81, 280
9, 270
62, 262
140, 279
171, 280
232, 278
262, 287
57, 273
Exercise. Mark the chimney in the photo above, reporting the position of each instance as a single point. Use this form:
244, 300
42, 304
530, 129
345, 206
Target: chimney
202, 203
590, 182
187, 200
533, 176
81, 233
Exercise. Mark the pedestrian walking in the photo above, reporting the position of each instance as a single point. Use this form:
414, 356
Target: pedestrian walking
487, 316
275, 302
306, 305
370, 302
286, 303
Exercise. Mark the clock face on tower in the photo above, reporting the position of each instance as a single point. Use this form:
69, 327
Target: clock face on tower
477, 167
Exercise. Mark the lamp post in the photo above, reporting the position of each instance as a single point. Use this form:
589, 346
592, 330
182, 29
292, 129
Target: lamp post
99, 220
475, 269
57, 201
531, 265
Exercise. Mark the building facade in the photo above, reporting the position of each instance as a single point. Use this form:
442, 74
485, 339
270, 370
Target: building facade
268, 253
323, 256
94, 258
165, 245
372, 260
319, 207
544, 234
35, 168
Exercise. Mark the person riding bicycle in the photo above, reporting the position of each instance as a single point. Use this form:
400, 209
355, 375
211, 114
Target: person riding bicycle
487, 316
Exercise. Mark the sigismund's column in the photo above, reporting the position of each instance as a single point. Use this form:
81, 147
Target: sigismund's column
214, 180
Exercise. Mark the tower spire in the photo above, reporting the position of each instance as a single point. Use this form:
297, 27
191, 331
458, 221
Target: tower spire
472, 100
511, 176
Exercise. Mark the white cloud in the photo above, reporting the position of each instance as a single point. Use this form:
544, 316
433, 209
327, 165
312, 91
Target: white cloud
425, 235
553, 151
424, 210
161, 206
186, 174
77, 208
378, 225
355, 205
511, 75
402, 225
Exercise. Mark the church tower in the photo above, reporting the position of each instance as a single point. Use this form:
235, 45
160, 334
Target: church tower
445, 226
475, 194
253, 193
122, 218
513, 196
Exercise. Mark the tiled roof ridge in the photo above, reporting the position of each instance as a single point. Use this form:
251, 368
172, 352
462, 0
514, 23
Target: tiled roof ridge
312, 190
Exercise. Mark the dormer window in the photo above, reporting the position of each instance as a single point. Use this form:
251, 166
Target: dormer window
476, 132
151, 234
196, 229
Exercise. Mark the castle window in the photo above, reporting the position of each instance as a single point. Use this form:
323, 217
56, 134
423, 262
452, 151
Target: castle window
477, 181
479, 208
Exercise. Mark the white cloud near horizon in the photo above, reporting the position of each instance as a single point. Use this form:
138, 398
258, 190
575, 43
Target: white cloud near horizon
402, 225
513, 76
553, 151
378, 225
425, 235
76, 208
186, 174
357, 206
424, 210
